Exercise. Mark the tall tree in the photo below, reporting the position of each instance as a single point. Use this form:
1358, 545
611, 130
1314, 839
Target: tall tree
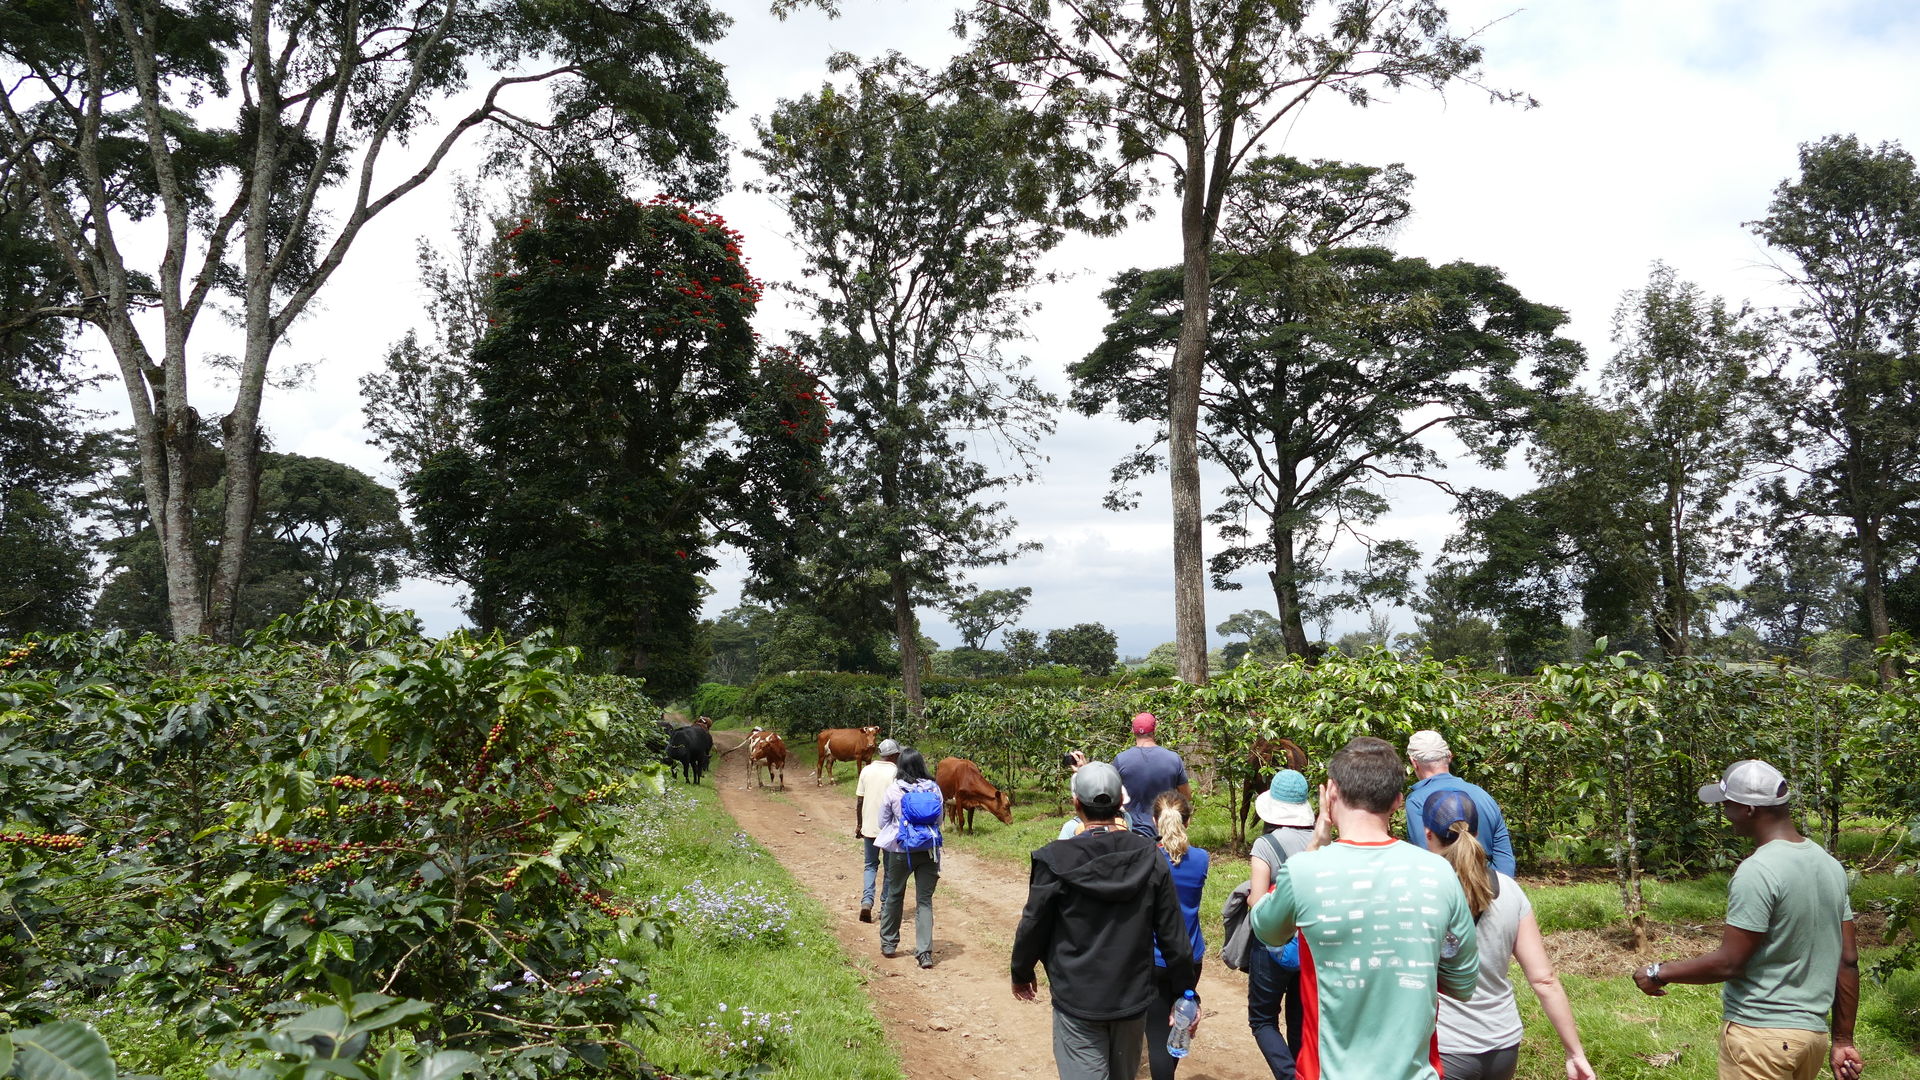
1643, 469
324, 531
1848, 229
47, 454
979, 616
1448, 626
920, 222
417, 404
1264, 637
625, 420
1197, 87
1088, 646
255, 133
1332, 363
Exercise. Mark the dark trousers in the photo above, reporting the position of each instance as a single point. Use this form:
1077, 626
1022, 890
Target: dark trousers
1270, 990
1160, 1063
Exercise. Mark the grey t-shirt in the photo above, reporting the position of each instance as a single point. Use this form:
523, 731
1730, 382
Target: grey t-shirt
1491, 1021
1795, 894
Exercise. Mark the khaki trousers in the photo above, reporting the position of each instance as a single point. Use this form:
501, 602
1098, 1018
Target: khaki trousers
1750, 1053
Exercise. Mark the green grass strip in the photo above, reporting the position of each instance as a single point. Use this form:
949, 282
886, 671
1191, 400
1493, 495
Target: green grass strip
753, 958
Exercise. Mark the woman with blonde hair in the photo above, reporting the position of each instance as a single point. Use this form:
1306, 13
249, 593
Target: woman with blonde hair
1480, 1039
1171, 813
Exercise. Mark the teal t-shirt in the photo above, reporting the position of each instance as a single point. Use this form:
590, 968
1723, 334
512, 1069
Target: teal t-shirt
1795, 894
1384, 928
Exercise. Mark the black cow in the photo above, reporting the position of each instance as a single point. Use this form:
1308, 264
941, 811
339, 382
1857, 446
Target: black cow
689, 747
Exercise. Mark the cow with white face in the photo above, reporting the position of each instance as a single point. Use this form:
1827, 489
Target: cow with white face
765, 748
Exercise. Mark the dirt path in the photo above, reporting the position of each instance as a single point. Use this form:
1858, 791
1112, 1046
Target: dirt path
958, 1021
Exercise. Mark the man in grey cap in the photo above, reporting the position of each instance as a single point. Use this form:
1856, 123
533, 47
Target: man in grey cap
868, 792
1432, 759
1096, 906
1787, 954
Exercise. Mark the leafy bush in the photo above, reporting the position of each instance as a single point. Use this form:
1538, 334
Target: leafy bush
216, 830
718, 700
799, 705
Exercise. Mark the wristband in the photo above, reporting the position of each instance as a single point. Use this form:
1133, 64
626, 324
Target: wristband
1652, 972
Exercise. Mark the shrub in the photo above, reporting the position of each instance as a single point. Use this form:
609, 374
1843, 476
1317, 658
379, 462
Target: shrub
718, 700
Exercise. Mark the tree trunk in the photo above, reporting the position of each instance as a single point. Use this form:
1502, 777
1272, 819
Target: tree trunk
1873, 587
908, 630
1189, 367
1286, 593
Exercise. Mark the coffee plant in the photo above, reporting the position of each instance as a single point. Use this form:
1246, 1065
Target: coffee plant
214, 831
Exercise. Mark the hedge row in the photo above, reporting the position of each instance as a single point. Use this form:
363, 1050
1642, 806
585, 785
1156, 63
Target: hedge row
800, 704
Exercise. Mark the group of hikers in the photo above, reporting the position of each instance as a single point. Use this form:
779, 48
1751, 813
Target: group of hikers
1376, 957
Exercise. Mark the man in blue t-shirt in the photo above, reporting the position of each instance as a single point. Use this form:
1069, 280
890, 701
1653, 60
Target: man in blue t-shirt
1147, 770
1431, 758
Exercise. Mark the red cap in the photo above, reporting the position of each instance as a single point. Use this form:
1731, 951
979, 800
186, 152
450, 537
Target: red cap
1143, 723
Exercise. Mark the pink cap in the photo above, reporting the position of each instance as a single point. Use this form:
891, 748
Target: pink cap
1143, 723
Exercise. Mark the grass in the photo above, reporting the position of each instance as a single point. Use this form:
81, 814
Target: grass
1621, 1027
704, 980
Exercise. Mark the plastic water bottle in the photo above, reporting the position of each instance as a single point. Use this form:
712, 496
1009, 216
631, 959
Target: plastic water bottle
1185, 1012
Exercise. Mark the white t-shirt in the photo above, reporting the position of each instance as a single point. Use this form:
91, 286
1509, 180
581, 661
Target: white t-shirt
872, 787
1491, 1021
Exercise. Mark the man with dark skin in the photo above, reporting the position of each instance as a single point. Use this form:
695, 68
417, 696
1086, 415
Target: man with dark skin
1787, 955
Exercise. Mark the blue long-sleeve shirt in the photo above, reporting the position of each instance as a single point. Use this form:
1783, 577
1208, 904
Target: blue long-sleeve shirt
1493, 825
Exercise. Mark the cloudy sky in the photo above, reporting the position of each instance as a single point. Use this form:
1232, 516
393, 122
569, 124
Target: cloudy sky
1662, 126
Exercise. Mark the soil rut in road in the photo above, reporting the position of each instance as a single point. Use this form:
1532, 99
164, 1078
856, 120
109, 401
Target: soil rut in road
958, 1021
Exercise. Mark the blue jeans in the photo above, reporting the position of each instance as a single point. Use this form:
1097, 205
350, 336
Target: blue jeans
1270, 988
869, 871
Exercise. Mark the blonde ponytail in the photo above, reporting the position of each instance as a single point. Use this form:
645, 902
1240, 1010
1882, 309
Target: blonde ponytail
1469, 860
1170, 813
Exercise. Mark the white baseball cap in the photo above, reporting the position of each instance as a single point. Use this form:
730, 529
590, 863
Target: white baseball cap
1750, 783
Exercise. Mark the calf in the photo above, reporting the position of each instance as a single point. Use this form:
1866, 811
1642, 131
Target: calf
689, 748
845, 744
966, 789
765, 748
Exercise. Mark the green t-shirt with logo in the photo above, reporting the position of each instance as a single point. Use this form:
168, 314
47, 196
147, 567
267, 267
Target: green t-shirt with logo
1384, 929
1795, 894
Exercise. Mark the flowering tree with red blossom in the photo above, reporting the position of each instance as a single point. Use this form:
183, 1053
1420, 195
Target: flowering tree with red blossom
625, 418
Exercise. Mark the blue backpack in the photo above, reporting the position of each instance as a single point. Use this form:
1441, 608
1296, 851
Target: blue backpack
920, 810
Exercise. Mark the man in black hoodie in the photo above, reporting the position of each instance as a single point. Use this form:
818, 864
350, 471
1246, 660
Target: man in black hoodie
1096, 903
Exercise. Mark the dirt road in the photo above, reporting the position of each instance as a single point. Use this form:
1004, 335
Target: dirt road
958, 1021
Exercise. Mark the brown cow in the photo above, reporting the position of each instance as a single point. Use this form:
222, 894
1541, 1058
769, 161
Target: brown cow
845, 744
966, 789
1268, 757
765, 748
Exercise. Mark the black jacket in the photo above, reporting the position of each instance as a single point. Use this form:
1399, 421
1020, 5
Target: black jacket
1095, 904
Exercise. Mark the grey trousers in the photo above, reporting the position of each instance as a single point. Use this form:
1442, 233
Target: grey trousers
1491, 1065
924, 868
1098, 1049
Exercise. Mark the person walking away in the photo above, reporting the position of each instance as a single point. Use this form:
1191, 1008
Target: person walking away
1787, 955
1480, 1039
1432, 760
1273, 975
910, 836
1097, 906
869, 791
1188, 864
1384, 929
1075, 824
1147, 769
